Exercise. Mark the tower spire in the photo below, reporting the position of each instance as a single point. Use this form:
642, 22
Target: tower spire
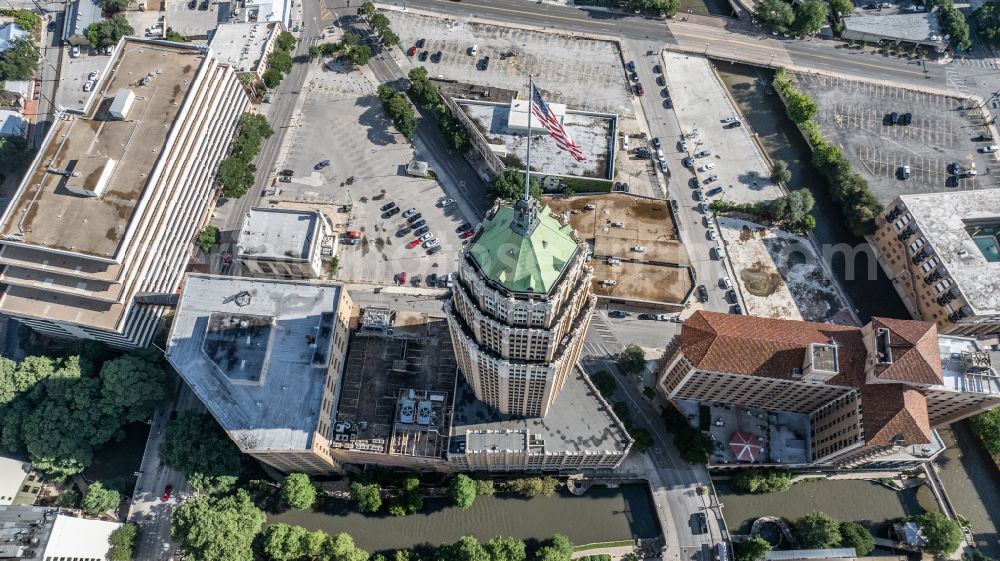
527, 208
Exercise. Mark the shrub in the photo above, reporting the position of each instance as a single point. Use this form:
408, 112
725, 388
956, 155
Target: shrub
369, 496
298, 491
462, 491
857, 536
98, 499
943, 534
605, 383
751, 549
207, 238
818, 530
632, 359
756, 481
399, 110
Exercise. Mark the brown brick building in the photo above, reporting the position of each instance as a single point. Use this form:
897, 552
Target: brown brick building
869, 396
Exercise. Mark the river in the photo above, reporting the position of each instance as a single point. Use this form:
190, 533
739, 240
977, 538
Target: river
601, 515
968, 475
868, 288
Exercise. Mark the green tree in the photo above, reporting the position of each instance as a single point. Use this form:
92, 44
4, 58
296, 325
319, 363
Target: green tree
857, 536
467, 548
954, 24
367, 10
109, 31
122, 541
801, 107
843, 7
255, 125
751, 549
359, 55
314, 52
235, 176
207, 238
286, 41
272, 77
557, 548
987, 427
369, 496
775, 13
780, 173
792, 207
632, 359
15, 151
753, 480
986, 19
509, 186
484, 487
342, 548
462, 491
943, 534
422, 90
131, 387
283, 542
411, 500
280, 60
112, 7
20, 61
605, 383
68, 498
817, 530
217, 529
195, 445
506, 549
642, 440
298, 491
399, 110
25, 19
175, 37
810, 16
98, 499
668, 7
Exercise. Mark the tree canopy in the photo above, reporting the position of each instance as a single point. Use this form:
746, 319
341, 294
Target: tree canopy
605, 383
505, 549
557, 548
844, 7
810, 16
817, 530
399, 110
793, 207
283, 542
217, 529
632, 359
109, 31
509, 186
20, 61
752, 480
112, 7
195, 445
15, 153
987, 427
298, 491
98, 499
943, 534
857, 536
751, 549
122, 542
668, 7
780, 173
462, 491
369, 496
776, 13
986, 18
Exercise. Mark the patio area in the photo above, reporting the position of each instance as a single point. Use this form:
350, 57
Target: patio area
748, 435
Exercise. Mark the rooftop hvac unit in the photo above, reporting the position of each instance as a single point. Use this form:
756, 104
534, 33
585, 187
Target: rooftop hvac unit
123, 102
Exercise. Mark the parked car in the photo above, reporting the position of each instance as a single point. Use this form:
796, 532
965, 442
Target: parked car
618, 313
656, 142
322, 164
726, 283
682, 146
385, 207
433, 242
354, 234
663, 167
989, 149
94, 75
409, 212
638, 90
707, 167
447, 202
436, 57
467, 234
432, 251
984, 138
703, 154
905, 118
432, 279
688, 162
420, 223
464, 227
166, 492
421, 43
88, 86
403, 231
713, 191
423, 56
733, 125
709, 179
421, 230
702, 293
412, 244
729, 120
74, 51
411, 51
289, 173
401, 278
646, 316
425, 237
904, 172
414, 217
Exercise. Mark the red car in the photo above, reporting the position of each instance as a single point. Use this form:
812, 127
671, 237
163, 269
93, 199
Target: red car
413, 244
354, 234
638, 89
166, 493
401, 278
411, 51
467, 234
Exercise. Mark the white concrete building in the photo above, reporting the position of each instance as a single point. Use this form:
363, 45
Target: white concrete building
281, 243
13, 473
245, 46
79, 539
102, 223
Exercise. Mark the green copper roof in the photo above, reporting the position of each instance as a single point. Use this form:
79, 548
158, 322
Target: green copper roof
523, 263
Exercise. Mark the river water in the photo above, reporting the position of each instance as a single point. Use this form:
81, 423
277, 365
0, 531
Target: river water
969, 475
600, 515
865, 283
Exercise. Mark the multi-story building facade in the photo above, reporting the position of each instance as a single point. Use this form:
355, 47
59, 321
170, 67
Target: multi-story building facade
520, 306
942, 252
266, 358
284, 243
872, 395
246, 46
107, 211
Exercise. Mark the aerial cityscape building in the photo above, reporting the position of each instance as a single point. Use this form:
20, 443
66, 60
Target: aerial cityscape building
108, 208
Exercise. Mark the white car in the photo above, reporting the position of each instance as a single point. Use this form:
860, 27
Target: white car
989, 149
663, 166
712, 235
447, 202
707, 167
88, 86
639, 249
426, 237
684, 146
431, 243
93, 75
729, 120
74, 52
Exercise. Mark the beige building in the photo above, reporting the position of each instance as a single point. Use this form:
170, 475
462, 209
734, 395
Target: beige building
868, 397
281, 243
103, 220
246, 46
519, 308
266, 358
942, 252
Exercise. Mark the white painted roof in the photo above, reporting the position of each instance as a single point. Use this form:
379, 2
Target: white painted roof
12, 474
79, 538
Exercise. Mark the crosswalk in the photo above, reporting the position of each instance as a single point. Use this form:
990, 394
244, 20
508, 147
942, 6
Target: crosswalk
980, 62
608, 345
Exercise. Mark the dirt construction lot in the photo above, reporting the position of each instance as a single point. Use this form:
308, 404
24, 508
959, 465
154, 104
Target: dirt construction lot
584, 74
657, 273
942, 132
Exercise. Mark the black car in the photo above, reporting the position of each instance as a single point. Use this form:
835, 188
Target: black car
321, 165
906, 118
984, 138
51, 26
432, 279
669, 104
420, 230
387, 206
656, 142
412, 219
289, 173
192, 4
617, 313
702, 293
733, 125
661, 80
419, 223
394, 211
464, 228
647, 316
403, 231
421, 43
893, 118
203, 6
657, 69
434, 250
630, 66
422, 56
436, 57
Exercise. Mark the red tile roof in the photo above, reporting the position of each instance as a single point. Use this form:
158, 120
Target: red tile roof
894, 414
916, 356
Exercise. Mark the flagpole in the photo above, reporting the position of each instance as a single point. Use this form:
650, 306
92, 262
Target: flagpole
527, 166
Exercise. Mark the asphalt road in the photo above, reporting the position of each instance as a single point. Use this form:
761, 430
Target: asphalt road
732, 41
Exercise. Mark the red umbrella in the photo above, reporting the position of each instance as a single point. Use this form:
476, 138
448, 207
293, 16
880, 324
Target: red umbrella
745, 446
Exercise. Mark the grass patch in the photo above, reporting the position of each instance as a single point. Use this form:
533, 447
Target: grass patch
601, 545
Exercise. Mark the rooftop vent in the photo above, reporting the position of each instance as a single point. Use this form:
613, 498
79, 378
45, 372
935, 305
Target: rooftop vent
883, 346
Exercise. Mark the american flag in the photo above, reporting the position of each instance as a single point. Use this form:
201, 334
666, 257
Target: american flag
543, 113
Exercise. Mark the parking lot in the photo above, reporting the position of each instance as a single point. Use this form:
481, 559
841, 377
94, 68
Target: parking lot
74, 75
195, 22
941, 132
342, 121
584, 74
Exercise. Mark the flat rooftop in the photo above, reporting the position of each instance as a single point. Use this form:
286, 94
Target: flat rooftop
277, 234
945, 221
119, 155
241, 45
392, 374
258, 413
966, 366
591, 131
658, 273
578, 421
918, 28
